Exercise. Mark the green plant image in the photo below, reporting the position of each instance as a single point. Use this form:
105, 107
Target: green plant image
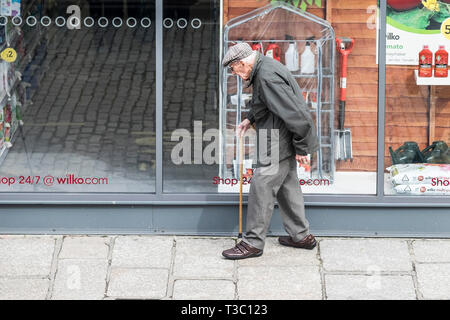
421, 17
302, 4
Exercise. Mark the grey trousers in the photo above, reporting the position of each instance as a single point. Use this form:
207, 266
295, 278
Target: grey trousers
277, 181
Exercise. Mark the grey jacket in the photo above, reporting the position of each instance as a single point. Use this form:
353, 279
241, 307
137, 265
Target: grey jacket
277, 103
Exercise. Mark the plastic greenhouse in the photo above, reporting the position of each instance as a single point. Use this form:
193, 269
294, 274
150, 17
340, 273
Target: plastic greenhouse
288, 32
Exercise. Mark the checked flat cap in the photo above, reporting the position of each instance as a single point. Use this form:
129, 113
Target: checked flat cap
237, 52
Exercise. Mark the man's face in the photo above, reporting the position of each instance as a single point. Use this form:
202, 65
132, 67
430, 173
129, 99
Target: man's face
241, 69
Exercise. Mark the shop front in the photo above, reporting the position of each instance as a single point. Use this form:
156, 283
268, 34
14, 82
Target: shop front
117, 117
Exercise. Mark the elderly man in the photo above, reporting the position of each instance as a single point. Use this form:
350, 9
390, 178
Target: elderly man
277, 105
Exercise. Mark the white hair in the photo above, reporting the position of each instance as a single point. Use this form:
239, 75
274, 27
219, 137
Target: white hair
251, 58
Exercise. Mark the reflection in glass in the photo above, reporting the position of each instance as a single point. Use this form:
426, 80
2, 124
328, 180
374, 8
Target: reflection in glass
86, 98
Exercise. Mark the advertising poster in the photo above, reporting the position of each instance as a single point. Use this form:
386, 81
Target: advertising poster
411, 25
5, 7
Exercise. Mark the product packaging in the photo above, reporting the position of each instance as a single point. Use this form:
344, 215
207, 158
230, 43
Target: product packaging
291, 55
273, 50
441, 63
423, 189
425, 62
419, 173
304, 170
308, 59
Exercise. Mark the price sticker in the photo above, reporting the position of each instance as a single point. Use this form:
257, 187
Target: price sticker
9, 55
445, 28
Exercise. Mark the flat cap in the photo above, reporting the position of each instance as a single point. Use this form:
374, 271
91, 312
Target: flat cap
237, 52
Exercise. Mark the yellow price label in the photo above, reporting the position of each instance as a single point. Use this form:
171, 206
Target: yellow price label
445, 28
9, 55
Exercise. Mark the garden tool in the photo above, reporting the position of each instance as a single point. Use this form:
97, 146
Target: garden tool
343, 137
409, 152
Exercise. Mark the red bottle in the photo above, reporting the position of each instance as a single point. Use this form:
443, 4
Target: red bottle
255, 46
441, 63
425, 62
273, 51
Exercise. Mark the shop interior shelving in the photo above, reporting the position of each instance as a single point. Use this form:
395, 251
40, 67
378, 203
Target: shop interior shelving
24, 39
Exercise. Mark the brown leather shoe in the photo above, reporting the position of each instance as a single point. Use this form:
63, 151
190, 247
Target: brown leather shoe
308, 242
242, 251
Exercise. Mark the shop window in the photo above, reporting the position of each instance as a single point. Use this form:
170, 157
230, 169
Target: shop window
417, 128
191, 53
77, 105
346, 162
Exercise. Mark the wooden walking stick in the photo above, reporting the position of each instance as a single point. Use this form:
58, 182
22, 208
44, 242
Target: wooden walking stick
241, 156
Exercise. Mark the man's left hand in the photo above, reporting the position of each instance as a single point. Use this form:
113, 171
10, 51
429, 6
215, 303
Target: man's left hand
302, 159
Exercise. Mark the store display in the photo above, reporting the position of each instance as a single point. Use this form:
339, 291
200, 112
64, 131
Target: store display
272, 26
409, 152
441, 63
419, 173
274, 51
291, 55
425, 62
343, 136
308, 58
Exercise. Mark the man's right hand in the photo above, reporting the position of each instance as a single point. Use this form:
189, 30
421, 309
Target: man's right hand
243, 127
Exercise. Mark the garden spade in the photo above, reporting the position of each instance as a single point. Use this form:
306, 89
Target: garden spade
343, 136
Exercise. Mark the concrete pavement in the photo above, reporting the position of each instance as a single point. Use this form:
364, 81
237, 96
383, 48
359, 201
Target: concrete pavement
187, 267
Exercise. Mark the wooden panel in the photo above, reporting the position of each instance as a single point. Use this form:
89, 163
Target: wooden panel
361, 105
353, 4
401, 90
361, 75
354, 30
363, 61
363, 91
361, 163
443, 134
357, 118
252, 4
406, 105
351, 16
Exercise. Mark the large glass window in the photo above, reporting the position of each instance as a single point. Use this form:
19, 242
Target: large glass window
83, 85
417, 99
191, 94
346, 119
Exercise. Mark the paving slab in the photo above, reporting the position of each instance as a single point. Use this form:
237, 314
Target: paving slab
138, 283
432, 250
369, 287
142, 252
204, 290
276, 254
365, 255
83, 247
26, 256
24, 289
78, 279
274, 283
434, 280
202, 257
